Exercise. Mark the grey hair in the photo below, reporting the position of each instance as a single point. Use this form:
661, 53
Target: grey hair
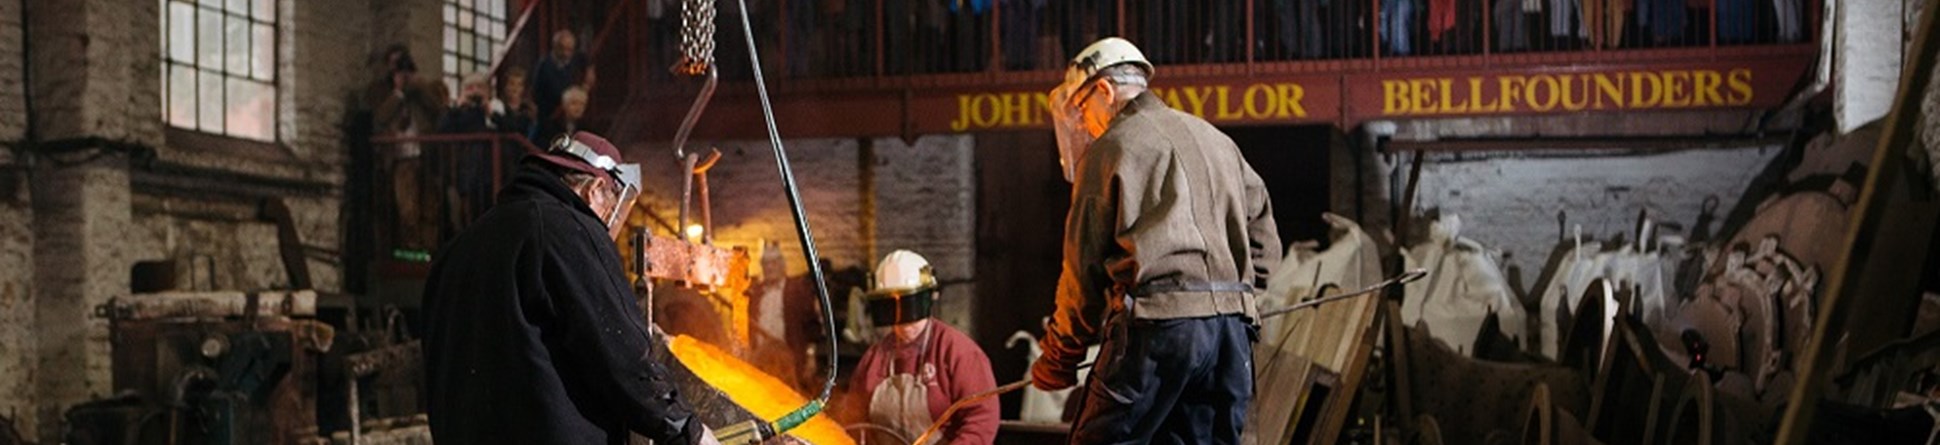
573, 93
1125, 74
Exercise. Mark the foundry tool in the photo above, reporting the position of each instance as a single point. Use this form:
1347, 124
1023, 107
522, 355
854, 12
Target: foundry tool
1404, 278
698, 21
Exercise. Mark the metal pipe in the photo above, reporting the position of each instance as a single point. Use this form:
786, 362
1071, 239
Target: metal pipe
1404, 278
800, 415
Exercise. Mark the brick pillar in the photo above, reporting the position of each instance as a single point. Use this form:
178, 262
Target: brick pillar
19, 344
95, 73
1867, 59
80, 215
925, 200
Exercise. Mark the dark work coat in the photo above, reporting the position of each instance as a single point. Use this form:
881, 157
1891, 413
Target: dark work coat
532, 335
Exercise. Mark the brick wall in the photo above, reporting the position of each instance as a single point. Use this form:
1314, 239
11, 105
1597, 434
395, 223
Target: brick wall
95, 68
1511, 202
18, 348
921, 196
1865, 62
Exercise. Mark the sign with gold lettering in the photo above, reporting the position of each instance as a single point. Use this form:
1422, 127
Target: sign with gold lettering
1539, 92
1344, 97
1284, 101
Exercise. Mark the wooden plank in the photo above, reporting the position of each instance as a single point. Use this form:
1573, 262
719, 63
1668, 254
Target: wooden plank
1866, 217
1361, 342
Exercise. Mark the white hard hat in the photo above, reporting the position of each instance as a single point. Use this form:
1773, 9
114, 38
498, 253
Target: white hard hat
903, 272
904, 290
1105, 53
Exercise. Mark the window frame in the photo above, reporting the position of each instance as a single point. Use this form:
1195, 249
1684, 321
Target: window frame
455, 72
269, 83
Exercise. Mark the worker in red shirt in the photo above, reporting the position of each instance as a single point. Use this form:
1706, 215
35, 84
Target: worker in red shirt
921, 365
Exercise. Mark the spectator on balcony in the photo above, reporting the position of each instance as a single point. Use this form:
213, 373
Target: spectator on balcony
968, 38
572, 107
1664, 19
565, 67
1441, 20
473, 112
1508, 24
512, 109
1562, 21
467, 186
931, 22
1020, 32
1735, 20
1790, 26
1299, 27
405, 105
801, 36
1397, 20
1081, 22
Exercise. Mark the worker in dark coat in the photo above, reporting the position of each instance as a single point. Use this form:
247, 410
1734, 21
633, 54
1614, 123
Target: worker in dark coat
1169, 237
532, 335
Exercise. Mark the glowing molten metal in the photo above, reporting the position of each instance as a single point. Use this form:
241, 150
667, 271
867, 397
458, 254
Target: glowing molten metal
758, 392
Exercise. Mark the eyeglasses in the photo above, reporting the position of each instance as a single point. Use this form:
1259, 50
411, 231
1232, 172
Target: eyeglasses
1082, 98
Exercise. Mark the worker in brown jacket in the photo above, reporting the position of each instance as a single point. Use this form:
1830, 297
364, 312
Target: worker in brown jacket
1169, 237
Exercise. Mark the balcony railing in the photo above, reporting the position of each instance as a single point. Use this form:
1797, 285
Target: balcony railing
866, 38
425, 188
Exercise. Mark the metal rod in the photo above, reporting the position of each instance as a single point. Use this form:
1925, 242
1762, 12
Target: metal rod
1819, 359
1404, 278
801, 229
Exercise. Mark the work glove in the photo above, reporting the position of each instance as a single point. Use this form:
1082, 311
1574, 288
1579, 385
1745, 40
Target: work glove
1049, 375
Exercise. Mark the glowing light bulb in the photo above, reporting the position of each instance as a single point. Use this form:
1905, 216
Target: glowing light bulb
694, 232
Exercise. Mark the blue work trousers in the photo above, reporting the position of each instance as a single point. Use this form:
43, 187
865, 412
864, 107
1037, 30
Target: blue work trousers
1180, 381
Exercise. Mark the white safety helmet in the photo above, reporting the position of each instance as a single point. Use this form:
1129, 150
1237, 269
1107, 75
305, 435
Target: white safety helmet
1072, 139
903, 289
1103, 54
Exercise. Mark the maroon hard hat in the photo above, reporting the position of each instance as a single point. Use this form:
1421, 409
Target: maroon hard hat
602, 159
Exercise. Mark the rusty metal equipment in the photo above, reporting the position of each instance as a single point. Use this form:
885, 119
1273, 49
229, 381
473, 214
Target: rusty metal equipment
208, 367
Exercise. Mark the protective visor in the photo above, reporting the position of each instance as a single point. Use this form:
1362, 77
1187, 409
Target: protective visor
629, 182
894, 308
626, 177
1072, 139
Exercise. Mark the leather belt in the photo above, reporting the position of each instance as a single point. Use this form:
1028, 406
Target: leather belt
1193, 286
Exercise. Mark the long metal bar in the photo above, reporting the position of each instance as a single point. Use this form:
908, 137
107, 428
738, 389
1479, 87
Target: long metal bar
1845, 275
809, 254
1404, 278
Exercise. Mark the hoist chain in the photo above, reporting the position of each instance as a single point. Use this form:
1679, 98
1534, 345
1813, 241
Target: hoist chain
696, 37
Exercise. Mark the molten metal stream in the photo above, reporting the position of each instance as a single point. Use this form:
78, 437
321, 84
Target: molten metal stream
761, 394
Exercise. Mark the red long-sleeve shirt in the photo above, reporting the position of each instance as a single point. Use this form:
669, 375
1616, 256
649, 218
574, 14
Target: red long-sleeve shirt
955, 368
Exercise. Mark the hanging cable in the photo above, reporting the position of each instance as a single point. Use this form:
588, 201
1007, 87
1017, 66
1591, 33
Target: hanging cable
754, 432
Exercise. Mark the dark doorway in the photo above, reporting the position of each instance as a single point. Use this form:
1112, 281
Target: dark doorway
1021, 202
1293, 163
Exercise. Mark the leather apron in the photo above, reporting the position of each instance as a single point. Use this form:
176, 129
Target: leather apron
901, 402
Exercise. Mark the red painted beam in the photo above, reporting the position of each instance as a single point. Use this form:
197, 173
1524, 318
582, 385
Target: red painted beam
1337, 92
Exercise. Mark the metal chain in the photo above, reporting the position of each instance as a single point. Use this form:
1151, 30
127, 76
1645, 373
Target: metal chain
696, 37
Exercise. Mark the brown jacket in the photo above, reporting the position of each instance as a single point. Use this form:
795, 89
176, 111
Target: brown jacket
1166, 211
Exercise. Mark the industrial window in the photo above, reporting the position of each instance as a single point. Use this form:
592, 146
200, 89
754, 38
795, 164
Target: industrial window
474, 30
219, 66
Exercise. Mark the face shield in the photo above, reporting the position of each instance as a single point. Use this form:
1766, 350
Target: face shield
890, 308
1067, 120
625, 177
628, 176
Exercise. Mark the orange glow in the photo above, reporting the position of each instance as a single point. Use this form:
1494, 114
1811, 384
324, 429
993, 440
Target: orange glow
758, 392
